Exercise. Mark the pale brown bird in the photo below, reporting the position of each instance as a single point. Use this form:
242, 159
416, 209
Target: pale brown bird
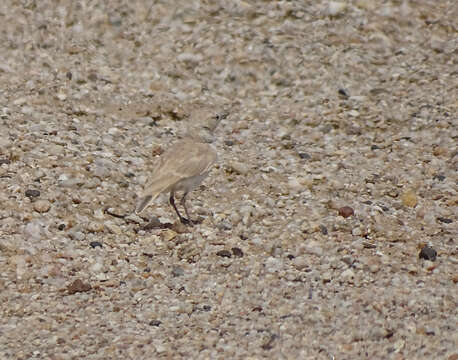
180, 168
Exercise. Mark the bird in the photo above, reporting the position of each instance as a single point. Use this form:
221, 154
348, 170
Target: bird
181, 168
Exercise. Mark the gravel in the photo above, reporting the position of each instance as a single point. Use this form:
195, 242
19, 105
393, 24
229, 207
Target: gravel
327, 229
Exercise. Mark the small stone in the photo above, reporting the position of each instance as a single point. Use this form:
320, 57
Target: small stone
439, 177
428, 253
356, 231
238, 168
343, 93
78, 286
168, 235
224, 225
179, 227
61, 96
42, 206
295, 184
95, 244
353, 113
237, 252
177, 271
348, 260
113, 228
32, 193
326, 277
324, 230
300, 263
4, 161
61, 227
304, 156
154, 223
348, 275
346, 211
224, 253
95, 227
409, 198
444, 220
229, 142
336, 8
155, 323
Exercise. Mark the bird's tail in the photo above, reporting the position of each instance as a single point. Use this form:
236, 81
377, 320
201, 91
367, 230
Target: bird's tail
153, 189
144, 201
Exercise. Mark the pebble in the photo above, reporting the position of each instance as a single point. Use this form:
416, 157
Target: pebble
224, 253
237, 252
336, 8
304, 156
348, 275
238, 168
94, 227
78, 286
113, 228
95, 244
295, 184
168, 235
428, 253
444, 220
177, 271
346, 211
409, 198
32, 193
41, 206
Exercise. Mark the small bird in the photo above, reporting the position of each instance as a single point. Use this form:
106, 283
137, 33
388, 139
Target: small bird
180, 168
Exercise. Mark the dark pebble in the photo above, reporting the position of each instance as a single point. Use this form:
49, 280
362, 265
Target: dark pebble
290, 257
375, 147
78, 286
304, 156
344, 93
4, 161
61, 227
229, 143
155, 323
444, 220
69, 75
428, 253
94, 244
346, 211
237, 252
439, 177
32, 193
206, 308
224, 253
324, 230
177, 271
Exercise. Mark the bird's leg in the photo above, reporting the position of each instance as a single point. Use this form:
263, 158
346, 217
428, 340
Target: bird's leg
172, 202
183, 203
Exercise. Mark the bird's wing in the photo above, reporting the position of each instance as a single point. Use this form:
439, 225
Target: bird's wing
183, 160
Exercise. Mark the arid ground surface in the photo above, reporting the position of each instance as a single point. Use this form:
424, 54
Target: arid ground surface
326, 230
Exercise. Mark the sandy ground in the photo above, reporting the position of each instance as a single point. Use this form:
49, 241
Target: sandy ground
327, 229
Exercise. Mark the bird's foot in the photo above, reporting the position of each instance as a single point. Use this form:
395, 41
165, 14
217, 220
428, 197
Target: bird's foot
185, 221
